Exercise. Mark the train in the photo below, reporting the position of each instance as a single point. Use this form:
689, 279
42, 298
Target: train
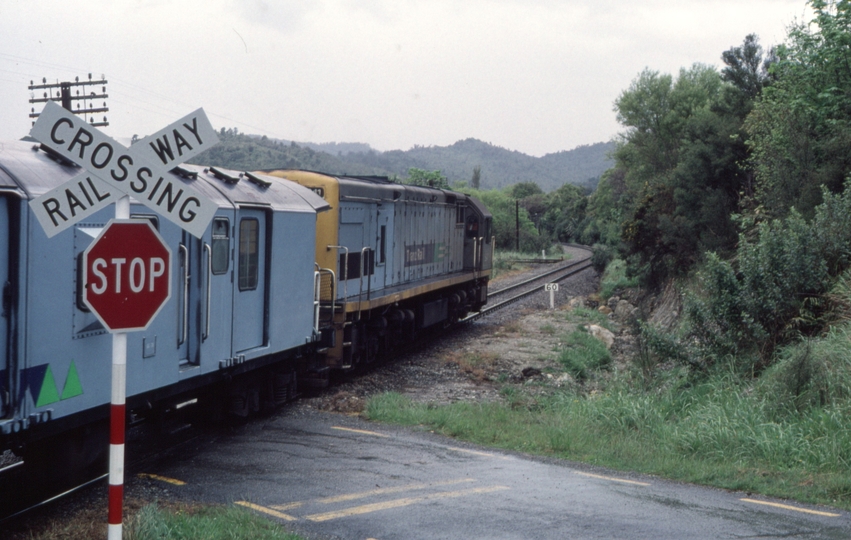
299, 276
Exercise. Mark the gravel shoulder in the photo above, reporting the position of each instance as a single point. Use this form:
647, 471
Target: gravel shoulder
517, 345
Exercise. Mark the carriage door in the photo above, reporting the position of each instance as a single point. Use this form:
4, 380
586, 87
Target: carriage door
188, 286
5, 374
202, 271
383, 248
250, 298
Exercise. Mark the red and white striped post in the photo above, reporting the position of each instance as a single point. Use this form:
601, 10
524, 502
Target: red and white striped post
116, 434
117, 414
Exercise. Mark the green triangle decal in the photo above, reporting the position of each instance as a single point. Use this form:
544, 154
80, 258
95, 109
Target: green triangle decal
73, 387
49, 394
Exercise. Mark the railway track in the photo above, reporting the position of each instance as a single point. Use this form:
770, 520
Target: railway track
501, 298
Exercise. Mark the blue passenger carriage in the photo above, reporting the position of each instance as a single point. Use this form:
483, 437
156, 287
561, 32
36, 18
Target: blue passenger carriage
242, 315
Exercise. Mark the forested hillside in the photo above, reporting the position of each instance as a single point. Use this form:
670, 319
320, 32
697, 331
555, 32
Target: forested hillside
498, 167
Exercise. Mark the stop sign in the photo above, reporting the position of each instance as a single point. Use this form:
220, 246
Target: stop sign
127, 275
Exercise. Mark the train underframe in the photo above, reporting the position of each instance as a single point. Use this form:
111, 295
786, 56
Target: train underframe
354, 338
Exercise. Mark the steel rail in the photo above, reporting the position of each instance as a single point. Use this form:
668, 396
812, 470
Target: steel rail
573, 270
535, 278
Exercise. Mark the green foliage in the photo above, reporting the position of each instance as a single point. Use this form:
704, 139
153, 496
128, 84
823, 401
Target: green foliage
615, 276
800, 129
248, 153
420, 177
680, 162
717, 432
504, 210
601, 256
525, 189
583, 354
208, 523
773, 294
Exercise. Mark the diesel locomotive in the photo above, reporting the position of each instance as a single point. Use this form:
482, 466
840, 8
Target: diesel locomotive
299, 275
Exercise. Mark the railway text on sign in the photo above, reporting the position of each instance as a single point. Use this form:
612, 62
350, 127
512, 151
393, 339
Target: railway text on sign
112, 170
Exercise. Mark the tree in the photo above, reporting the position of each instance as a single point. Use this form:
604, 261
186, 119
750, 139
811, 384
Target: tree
800, 128
422, 177
477, 177
680, 164
525, 189
746, 69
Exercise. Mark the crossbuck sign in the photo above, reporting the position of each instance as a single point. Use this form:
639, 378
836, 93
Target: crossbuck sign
112, 171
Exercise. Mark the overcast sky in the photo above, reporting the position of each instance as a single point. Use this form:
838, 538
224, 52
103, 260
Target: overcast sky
537, 76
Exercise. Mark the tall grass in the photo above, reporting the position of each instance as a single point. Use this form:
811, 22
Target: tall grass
716, 430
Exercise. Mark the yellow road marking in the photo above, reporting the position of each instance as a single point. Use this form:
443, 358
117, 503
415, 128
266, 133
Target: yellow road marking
476, 453
613, 479
364, 494
285, 517
361, 431
398, 503
795, 508
162, 479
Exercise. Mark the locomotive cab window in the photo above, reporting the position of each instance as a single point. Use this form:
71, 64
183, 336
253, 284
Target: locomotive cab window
472, 227
249, 257
220, 246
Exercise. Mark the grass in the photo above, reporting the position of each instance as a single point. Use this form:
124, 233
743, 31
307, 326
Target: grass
184, 522
583, 353
615, 278
505, 264
716, 429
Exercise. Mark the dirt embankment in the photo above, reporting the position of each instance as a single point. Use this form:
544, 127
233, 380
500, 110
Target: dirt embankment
518, 345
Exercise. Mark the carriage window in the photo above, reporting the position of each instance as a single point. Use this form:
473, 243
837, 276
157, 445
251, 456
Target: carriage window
155, 221
460, 214
221, 246
249, 232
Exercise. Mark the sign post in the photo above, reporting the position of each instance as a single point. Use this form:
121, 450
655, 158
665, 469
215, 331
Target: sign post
552, 287
127, 269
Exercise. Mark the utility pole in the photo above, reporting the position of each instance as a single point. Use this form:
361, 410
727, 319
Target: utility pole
64, 95
517, 223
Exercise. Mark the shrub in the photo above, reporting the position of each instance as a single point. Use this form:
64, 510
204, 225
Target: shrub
601, 256
583, 354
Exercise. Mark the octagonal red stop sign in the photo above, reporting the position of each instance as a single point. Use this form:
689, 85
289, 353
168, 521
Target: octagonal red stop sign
127, 275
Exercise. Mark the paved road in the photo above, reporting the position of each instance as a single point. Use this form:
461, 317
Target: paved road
333, 476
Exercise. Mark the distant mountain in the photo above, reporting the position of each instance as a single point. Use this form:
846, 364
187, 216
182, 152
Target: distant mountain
499, 167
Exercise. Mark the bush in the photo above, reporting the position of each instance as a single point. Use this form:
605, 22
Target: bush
811, 373
757, 307
615, 279
601, 256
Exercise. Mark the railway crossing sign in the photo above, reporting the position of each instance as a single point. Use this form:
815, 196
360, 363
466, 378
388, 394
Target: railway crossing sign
127, 275
112, 170
127, 269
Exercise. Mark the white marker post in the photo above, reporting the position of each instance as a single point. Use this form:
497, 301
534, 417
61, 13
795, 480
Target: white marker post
552, 287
